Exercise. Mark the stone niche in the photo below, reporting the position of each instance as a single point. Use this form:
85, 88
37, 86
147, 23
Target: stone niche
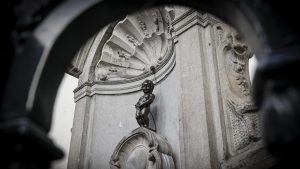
203, 113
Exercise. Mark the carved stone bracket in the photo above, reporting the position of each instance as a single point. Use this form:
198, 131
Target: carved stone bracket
241, 118
142, 149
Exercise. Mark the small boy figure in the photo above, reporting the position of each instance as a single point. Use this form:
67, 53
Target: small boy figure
143, 105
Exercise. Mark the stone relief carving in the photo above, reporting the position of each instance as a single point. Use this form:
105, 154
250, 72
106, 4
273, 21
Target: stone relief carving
157, 20
239, 108
143, 27
132, 40
137, 43
245, 128
237, 56
142, 149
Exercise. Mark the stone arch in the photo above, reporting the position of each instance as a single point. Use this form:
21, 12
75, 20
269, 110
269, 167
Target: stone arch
90, 54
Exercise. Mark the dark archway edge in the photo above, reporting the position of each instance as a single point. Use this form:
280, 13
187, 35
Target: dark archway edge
266, 26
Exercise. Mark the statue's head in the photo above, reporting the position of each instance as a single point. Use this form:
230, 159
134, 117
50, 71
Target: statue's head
147, 86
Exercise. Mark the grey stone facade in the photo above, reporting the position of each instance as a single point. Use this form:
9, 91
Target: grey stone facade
203, 105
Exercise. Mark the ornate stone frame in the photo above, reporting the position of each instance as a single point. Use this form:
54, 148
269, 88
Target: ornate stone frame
158, 153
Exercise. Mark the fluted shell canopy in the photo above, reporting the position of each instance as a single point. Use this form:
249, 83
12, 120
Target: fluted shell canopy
140, 45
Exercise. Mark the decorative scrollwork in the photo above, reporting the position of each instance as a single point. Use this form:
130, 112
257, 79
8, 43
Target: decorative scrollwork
243, 121
143, 148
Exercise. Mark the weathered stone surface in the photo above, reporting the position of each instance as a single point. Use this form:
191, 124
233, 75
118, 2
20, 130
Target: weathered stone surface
141, 149
137, 43
202, 92
195, 141
240, 113
125, 53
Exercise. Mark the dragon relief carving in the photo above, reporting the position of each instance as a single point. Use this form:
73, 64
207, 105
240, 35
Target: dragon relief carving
240, 109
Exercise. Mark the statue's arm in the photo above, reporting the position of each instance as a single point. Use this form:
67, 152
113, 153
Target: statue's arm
147, 102
137, 105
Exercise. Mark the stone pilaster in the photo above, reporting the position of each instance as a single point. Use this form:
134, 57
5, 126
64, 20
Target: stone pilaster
197, 81
219, 123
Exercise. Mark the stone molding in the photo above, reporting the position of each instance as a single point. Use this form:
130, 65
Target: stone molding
192, 18
94, 88
143, 148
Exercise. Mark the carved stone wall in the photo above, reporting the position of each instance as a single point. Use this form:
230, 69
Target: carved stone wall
203, 102
241, 118
126, 53
221, 92
139, 46
139, 42
241, 115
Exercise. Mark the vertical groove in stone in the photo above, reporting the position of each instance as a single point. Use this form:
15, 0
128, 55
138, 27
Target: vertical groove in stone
209, 86
206, 91
219, 96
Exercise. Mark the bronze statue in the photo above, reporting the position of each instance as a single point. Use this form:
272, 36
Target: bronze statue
143, 105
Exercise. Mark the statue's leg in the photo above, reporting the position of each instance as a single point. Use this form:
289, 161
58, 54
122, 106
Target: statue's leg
142, 121
146, 122
139, 120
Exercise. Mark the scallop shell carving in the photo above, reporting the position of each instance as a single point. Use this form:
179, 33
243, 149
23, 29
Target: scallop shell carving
139, 44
